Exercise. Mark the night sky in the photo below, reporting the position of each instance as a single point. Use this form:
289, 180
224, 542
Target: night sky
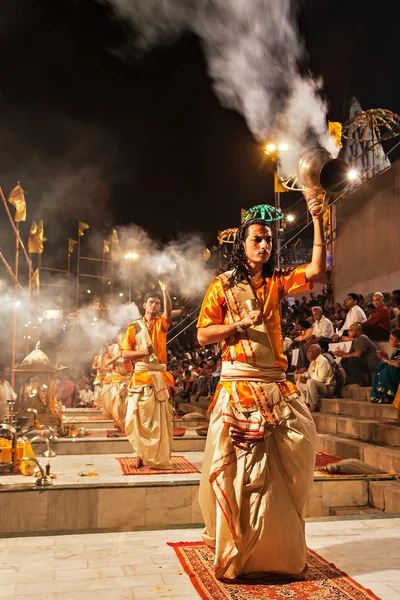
95, 138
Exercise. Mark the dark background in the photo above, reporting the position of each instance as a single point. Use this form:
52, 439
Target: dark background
91, 137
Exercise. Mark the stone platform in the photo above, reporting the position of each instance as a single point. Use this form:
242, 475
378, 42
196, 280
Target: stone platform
112, 501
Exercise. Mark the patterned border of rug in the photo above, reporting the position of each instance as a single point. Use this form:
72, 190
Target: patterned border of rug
179, 465
323, 458
324, 580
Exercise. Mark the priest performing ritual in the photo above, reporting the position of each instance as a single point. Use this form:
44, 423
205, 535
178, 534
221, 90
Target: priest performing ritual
148, 423
260, 452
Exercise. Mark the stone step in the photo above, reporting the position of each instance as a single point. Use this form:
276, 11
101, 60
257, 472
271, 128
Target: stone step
90, 424
116, 502
362, 429
104, 445
79, 412
359, 408
380, 457
360, 393
385, 495
344, 511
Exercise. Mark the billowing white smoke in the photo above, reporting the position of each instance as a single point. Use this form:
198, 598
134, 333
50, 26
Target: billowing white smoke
179, 263
252, 48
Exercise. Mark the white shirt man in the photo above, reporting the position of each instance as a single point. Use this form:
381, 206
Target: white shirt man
6, 394
355, 314
322, 327
86, 396
319, 380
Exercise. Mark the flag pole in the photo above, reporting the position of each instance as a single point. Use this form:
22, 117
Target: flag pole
29, 308
16, 230
102, 273
14, 321
68, 279
77, 270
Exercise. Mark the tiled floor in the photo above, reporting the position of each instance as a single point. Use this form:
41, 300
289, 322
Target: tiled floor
139, 565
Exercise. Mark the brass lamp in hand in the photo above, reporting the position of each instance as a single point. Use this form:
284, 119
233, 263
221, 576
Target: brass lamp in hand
252, 310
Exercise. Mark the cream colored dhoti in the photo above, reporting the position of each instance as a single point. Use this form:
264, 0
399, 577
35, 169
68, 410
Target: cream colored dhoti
119, 403
252, 496
148, 422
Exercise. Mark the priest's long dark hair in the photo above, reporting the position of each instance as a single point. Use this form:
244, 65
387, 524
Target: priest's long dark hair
239, 262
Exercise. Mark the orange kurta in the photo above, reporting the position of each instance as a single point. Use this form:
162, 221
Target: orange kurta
214, 311
158, 335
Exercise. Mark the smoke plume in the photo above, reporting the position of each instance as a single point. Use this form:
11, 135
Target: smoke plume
253, 50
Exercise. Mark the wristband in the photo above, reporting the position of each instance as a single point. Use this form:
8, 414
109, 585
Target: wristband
239, 327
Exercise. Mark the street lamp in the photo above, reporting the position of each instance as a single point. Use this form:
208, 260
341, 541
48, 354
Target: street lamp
131, 257
273, 150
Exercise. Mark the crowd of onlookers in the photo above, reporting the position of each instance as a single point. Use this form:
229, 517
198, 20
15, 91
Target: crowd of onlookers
309, 328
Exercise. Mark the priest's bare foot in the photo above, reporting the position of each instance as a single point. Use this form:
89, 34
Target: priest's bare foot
138, 463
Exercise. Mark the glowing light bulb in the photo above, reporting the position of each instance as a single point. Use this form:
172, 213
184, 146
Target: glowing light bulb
353, 174
131, 256
283, 147
290, 218
270, 147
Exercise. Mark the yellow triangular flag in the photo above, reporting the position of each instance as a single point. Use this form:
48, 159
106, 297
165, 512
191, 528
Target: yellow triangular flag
106, 247
71, 244
36, 238
206, 254
81, 228
278, 186
17, 199
114, 238
335, 131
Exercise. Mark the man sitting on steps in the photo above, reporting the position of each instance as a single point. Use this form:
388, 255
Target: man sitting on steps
319, 380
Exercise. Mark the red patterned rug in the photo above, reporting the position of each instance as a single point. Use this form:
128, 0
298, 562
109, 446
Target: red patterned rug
324, 580
179, 465
323, 458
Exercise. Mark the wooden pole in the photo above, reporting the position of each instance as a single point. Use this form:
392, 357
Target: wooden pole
69, 282
77, 272
14, 320
15, 226
10, 271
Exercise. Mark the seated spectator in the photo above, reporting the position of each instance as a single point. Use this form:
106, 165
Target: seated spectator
387, 373
395, 305
318, 380
304, 307
322, 328
355, 315
360, 362
215, 377
297, 313
188, 385
378, 325
304, 338
337, 369
86, 396
203, 384
313, 300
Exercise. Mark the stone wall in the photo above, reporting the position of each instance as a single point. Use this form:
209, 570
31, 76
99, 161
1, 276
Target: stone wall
367, 245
